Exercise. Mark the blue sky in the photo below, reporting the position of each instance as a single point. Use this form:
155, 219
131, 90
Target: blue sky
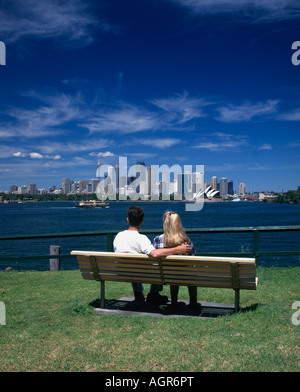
188, 82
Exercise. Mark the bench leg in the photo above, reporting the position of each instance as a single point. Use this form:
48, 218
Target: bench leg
102, 293
236, 300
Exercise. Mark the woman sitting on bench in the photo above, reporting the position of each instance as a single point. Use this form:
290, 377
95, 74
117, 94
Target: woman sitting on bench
175, 235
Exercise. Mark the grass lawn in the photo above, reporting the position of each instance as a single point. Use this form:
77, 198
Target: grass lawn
50, 326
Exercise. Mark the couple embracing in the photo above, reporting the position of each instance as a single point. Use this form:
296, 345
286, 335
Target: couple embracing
173, 241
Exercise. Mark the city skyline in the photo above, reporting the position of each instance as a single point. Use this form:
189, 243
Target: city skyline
164, 178
172, 82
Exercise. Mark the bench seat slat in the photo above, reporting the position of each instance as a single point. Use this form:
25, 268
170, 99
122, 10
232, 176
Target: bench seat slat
202, 283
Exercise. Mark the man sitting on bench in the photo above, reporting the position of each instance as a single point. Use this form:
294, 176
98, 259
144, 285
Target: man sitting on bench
131, 241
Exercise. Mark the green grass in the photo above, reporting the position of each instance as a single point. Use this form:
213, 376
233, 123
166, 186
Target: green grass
50, 326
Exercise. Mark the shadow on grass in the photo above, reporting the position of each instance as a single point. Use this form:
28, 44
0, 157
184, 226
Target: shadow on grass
126, 306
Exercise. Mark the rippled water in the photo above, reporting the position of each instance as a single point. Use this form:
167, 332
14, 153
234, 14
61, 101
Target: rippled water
62, 217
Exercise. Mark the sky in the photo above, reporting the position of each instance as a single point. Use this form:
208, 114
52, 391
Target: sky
166, 82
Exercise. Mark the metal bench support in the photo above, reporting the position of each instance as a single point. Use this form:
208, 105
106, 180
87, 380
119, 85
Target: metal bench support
102, 293
236, 300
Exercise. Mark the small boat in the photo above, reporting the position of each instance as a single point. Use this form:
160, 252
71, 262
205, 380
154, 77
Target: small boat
92, 204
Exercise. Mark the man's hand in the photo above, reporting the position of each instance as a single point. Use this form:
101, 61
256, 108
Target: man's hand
184, 248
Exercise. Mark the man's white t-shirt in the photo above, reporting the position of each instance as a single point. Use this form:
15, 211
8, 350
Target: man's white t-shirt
131, 241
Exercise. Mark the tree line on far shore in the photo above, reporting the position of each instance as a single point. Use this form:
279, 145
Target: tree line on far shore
287, 197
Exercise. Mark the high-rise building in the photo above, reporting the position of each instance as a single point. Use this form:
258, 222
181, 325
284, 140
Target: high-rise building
82, 185
198, 182
31, 189
74, 187
117, 169
95, 183
184, 181
22, 189
149, 174
230, 187
223, 186
214, 183
66, 186
13, 188
242, 189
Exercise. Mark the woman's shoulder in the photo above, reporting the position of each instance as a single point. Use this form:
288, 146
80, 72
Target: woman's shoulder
158, 240
159, 237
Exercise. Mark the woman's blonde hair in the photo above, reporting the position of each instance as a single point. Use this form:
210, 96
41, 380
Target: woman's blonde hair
174, 233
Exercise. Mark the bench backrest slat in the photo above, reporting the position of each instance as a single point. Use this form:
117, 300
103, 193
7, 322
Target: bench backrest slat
202, 271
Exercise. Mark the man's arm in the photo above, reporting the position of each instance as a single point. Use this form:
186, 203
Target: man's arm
183, 249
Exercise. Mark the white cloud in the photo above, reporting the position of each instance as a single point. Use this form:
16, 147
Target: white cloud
43, 120
102, 154
181, 108
294, 145
160, 143
265, 146
290, 116
124, 119
223, 141
35, 155
67, 22
71, 147
244, 10
19, 154
208, 146
247, 111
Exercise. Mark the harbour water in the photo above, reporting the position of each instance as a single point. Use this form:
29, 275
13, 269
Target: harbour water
63, 217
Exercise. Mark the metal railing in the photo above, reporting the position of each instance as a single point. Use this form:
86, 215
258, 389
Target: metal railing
110, 236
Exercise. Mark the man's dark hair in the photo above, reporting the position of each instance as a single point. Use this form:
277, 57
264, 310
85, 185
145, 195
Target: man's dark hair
135, 216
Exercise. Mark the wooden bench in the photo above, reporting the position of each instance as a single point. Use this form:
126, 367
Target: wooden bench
219, 272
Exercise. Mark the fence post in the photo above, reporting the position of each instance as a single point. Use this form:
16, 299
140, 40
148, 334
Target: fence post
255, 242
110, 239
55, 263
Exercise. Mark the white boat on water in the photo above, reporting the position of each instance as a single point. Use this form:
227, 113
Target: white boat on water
92, 204
236, 199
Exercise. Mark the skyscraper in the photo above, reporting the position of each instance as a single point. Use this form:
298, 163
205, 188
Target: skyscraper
31, 189
230, 187
214, 183
82, 185
95, 183
66, 186
223, 186
242, 189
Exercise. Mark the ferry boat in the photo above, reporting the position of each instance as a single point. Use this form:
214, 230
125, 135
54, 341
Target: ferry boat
92, 204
